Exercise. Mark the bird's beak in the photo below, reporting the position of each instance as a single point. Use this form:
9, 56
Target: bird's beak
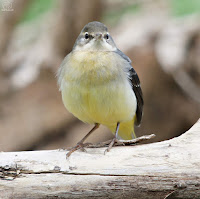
98, 36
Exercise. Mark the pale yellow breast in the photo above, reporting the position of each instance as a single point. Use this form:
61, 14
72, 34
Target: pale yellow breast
95, 88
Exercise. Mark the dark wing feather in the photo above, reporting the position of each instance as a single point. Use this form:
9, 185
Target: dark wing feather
138, 93
136, 88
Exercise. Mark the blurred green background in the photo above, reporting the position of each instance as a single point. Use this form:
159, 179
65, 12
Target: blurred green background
177, 8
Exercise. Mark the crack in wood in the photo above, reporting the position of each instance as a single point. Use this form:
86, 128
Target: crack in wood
9, 172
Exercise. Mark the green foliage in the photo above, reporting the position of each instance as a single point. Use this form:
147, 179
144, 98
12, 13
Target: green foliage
113, 16
185, 7
36, 9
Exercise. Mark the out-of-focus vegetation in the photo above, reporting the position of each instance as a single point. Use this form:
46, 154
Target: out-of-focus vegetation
114, 13
162, 38
184, 7
36, 9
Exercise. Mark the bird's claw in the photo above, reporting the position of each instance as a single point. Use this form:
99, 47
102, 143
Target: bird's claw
79, 145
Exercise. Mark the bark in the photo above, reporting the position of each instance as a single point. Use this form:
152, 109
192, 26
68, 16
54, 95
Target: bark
168, 169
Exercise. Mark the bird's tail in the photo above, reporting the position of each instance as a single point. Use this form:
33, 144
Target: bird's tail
126, 130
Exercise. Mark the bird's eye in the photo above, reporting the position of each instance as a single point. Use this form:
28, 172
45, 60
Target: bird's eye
86, 35
107, 36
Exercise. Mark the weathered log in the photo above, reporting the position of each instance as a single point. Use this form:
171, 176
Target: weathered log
168, 169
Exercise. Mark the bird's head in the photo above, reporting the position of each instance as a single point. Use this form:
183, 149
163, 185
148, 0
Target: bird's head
94, 37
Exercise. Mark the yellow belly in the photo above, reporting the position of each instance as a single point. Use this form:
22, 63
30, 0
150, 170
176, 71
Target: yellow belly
107, 104
97, 90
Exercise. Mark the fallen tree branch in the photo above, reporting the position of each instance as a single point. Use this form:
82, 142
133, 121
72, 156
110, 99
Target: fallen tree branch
158, 170
122, 142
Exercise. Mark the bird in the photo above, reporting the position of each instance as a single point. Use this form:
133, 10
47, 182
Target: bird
99, 85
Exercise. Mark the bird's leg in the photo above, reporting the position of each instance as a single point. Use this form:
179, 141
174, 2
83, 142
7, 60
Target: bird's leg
114, 140
80, 144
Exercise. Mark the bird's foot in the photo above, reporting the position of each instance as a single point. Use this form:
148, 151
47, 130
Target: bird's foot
78, 146
112, 143
116, 142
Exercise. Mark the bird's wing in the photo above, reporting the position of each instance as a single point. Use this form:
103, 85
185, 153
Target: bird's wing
136, 88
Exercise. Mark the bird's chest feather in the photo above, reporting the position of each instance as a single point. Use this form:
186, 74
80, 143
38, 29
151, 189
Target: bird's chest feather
92, 68
96, 88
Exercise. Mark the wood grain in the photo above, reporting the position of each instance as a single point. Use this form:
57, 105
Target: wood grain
168, 169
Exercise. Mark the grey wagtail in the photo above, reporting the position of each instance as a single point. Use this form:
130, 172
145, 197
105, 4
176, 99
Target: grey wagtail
99, 85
